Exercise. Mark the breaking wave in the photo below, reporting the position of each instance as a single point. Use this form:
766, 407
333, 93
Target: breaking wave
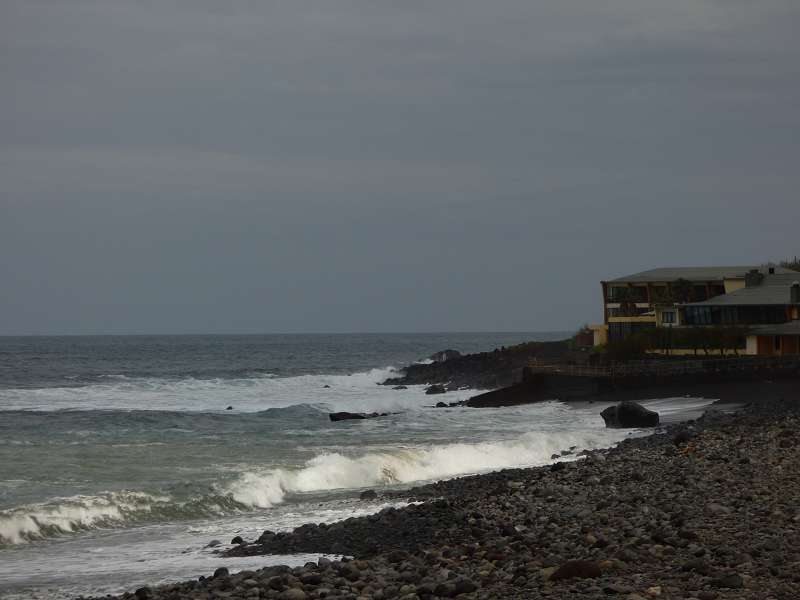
333, 471
260, 490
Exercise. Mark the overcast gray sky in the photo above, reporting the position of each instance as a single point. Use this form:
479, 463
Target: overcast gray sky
338, 165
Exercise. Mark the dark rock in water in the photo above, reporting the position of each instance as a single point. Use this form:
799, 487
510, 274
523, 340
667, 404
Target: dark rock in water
400, 387
346, 416
237, 540
441, 405
559, 466
572, 569
221, 572
628, 414
368, 495
143, 593
229, 408
213, 544
436, 389
513, 395
444, 355
326, 386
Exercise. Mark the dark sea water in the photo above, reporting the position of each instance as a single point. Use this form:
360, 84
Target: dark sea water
119, 461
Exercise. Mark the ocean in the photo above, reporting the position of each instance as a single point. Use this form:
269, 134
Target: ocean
121, 461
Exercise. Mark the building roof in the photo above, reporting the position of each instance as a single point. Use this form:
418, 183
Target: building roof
789, 328
773, 290
694, 274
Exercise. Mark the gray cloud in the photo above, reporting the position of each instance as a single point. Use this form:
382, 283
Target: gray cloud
382, 166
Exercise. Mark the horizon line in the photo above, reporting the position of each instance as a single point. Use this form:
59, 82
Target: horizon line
288, 333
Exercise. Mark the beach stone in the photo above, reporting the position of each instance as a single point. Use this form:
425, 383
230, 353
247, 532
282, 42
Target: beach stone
237, 540
626, 415
616, 588
464, 586
717, 509
368, 495
654, 591
580, 569
221, 572
293, 594
728, 580
143, 593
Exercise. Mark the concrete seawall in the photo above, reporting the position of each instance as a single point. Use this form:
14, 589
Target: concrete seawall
780, 379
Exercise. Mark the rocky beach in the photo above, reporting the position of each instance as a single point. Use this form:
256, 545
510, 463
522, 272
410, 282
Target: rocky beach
703, 509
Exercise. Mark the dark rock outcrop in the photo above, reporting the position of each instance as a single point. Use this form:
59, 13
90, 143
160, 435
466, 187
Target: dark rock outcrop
485, 370
627, 415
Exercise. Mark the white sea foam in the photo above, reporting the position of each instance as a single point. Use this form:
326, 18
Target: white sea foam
356, 392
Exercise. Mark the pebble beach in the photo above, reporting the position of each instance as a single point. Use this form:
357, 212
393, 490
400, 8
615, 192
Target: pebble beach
705, 509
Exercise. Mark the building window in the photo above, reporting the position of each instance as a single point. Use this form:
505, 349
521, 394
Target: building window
777, 343
668, 316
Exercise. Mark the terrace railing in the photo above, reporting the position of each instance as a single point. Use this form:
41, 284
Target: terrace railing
659, 368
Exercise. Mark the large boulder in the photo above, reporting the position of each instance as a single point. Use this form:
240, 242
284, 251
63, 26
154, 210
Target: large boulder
626, 415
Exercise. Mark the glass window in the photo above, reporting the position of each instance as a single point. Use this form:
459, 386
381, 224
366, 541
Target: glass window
668, 316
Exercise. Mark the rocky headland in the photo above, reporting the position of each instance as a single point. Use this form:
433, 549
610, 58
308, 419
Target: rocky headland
484, 370
705, 509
